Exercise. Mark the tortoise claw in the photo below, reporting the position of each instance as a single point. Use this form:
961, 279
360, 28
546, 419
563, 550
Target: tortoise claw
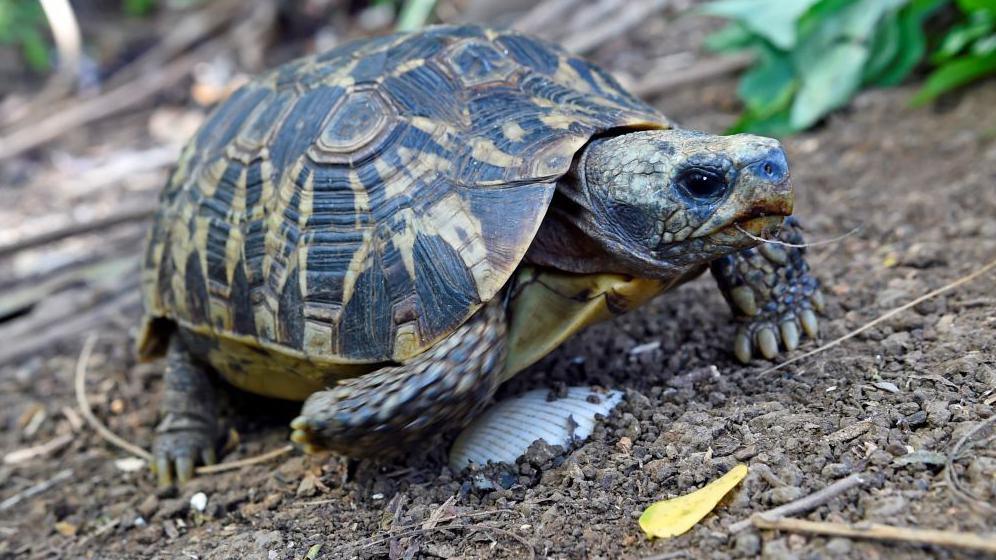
790, 335
767, 343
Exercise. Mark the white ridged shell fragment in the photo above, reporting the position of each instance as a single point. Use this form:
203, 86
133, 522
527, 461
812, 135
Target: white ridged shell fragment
504, 432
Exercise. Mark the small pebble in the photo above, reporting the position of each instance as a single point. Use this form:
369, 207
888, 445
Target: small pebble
748, 543
199, 501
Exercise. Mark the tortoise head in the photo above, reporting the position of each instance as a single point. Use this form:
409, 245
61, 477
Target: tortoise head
664, 200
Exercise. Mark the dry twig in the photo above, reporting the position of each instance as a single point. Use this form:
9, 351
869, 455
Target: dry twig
658, 83
87, 411
120, 215
951, 476
880, 532
635, 13
886, 316
109, 436
41, 450
36, 489
806, 503
125, 97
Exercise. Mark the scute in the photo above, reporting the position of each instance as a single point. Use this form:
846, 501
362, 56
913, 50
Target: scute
356, 206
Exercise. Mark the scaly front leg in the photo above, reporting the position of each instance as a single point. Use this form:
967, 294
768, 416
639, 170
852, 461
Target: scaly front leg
771, 293
382, 411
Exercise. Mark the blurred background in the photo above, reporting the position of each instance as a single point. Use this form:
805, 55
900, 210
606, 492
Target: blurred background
885, 108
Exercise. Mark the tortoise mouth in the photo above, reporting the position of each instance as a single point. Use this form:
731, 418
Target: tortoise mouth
746, 232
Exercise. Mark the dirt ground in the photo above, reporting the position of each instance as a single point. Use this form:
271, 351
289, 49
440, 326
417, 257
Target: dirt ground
891, 402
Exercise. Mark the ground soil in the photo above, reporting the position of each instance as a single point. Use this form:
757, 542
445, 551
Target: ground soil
919, 182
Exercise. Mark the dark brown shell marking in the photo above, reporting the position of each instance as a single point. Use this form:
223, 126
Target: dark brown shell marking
358, 205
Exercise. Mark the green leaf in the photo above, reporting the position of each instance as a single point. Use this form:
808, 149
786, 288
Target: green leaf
985, 45
954, 74
884, 48
139, 8
34, 49
977, 5
773, 20
769, 86
913, 41
829, 84
733, 37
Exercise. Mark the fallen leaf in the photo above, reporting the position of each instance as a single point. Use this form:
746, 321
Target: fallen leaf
66, 528
670, 518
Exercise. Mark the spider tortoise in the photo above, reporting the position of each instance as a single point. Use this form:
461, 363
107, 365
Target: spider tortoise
391, 229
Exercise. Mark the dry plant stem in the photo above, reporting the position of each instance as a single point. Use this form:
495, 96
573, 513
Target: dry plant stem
886, 316
951, 477
47, 448
806, 503
87, 411
880, 532
837, 239
82, 320
634, 14
108, 435
658, 83
543, 16
117, 217
36, 489
249, 461
66, 33
125, 97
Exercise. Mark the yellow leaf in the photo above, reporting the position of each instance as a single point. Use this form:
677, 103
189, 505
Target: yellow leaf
670, 518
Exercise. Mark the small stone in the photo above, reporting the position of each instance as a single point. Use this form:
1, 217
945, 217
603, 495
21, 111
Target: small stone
748, 543
937, 412
199, 501
886, 386
624, 444
839, 546
784, 494
148, 506
918, 418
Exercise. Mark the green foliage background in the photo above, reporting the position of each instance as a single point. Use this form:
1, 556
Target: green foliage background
813, 56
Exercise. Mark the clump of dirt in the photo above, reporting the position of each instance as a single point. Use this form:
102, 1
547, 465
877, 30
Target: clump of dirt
891, 403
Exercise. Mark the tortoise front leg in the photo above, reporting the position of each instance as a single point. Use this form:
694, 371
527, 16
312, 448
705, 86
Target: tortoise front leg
446, 386
771, 293
188, 431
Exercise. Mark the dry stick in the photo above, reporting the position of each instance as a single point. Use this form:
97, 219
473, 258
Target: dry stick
880, 532
124, 97
657, 83
36, 489
543, 15
83, 320
68, 40
87, 411
952, 477
886, 316
633, 15
121, 443
806, 503
117, 217
837, 239
41, 450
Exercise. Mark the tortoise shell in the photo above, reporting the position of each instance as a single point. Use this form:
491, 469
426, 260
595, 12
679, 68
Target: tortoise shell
356, 206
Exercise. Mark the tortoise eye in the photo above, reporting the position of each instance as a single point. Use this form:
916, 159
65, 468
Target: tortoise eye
702, 184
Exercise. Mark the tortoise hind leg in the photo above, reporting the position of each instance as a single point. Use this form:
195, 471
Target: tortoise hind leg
188, 430
772, 294
447, 385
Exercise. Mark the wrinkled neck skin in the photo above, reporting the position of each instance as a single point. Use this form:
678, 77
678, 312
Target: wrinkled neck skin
662, 204
572, 240
576, 236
